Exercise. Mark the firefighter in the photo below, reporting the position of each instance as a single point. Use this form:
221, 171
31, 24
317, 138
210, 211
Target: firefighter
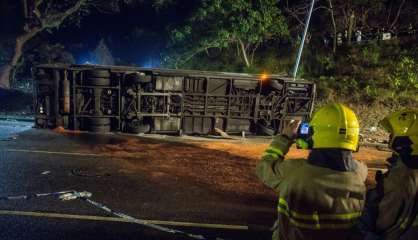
392, 207
323, 196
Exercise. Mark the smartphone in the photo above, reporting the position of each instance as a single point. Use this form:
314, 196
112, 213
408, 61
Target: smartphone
304, 129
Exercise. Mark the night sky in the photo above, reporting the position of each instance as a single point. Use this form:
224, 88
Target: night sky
147, 25
141, 23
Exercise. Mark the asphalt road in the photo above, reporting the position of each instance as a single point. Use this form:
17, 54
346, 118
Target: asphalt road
37, 161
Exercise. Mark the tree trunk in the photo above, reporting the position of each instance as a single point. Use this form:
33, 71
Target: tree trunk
351, 25
5, 75
334, 27
244, 53
6, 70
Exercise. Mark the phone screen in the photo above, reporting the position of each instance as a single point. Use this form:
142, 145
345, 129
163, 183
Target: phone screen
304, 128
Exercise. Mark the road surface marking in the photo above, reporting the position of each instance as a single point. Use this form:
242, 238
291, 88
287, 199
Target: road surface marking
116, 219
52, 152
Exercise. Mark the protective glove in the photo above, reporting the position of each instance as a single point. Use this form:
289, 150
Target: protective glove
291, 130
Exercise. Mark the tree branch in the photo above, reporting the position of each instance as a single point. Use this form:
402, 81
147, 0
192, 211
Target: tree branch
295, 16
37, 11
55, 20
192, 54
334, 26
244, 52
302, 10
321, 7
38, 3
398, 13
48, 8
390, 13
25, 8
253, 52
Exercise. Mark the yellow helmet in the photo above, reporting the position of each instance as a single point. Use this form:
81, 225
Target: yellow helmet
403, 128
335, 126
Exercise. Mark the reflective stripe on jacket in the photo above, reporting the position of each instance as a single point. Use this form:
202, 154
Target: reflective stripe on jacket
314, 202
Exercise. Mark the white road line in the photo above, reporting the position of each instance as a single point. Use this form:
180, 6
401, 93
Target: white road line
115, 219
53, 152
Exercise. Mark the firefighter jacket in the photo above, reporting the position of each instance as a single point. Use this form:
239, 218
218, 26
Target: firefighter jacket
392, 207
316, 200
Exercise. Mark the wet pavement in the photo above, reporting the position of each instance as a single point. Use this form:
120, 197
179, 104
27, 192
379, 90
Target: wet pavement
202, 186
10, 128
37, 161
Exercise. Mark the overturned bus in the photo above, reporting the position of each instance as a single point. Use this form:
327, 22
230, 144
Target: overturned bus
149, 100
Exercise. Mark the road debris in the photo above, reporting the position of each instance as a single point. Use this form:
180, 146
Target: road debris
67, 132
74, 195
84, 173
45, 172
36, 195
222, 133
85, 196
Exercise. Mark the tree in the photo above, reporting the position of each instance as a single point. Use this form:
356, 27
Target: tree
43, 53
220, 24
298, 10
47, 15
39, 15
349, 16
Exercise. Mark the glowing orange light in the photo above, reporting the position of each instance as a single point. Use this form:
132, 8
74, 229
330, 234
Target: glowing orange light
263, 77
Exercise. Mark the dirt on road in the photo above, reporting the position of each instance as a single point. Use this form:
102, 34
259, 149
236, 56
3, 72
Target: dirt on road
254, 150
223, 165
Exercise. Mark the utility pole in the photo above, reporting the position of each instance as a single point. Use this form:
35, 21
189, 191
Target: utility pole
308, 19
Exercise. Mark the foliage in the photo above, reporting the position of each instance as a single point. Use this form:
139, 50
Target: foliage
405, 74
221, 24
270, 60
50, 53
43, 54
49, 13
367, 74
253, 36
